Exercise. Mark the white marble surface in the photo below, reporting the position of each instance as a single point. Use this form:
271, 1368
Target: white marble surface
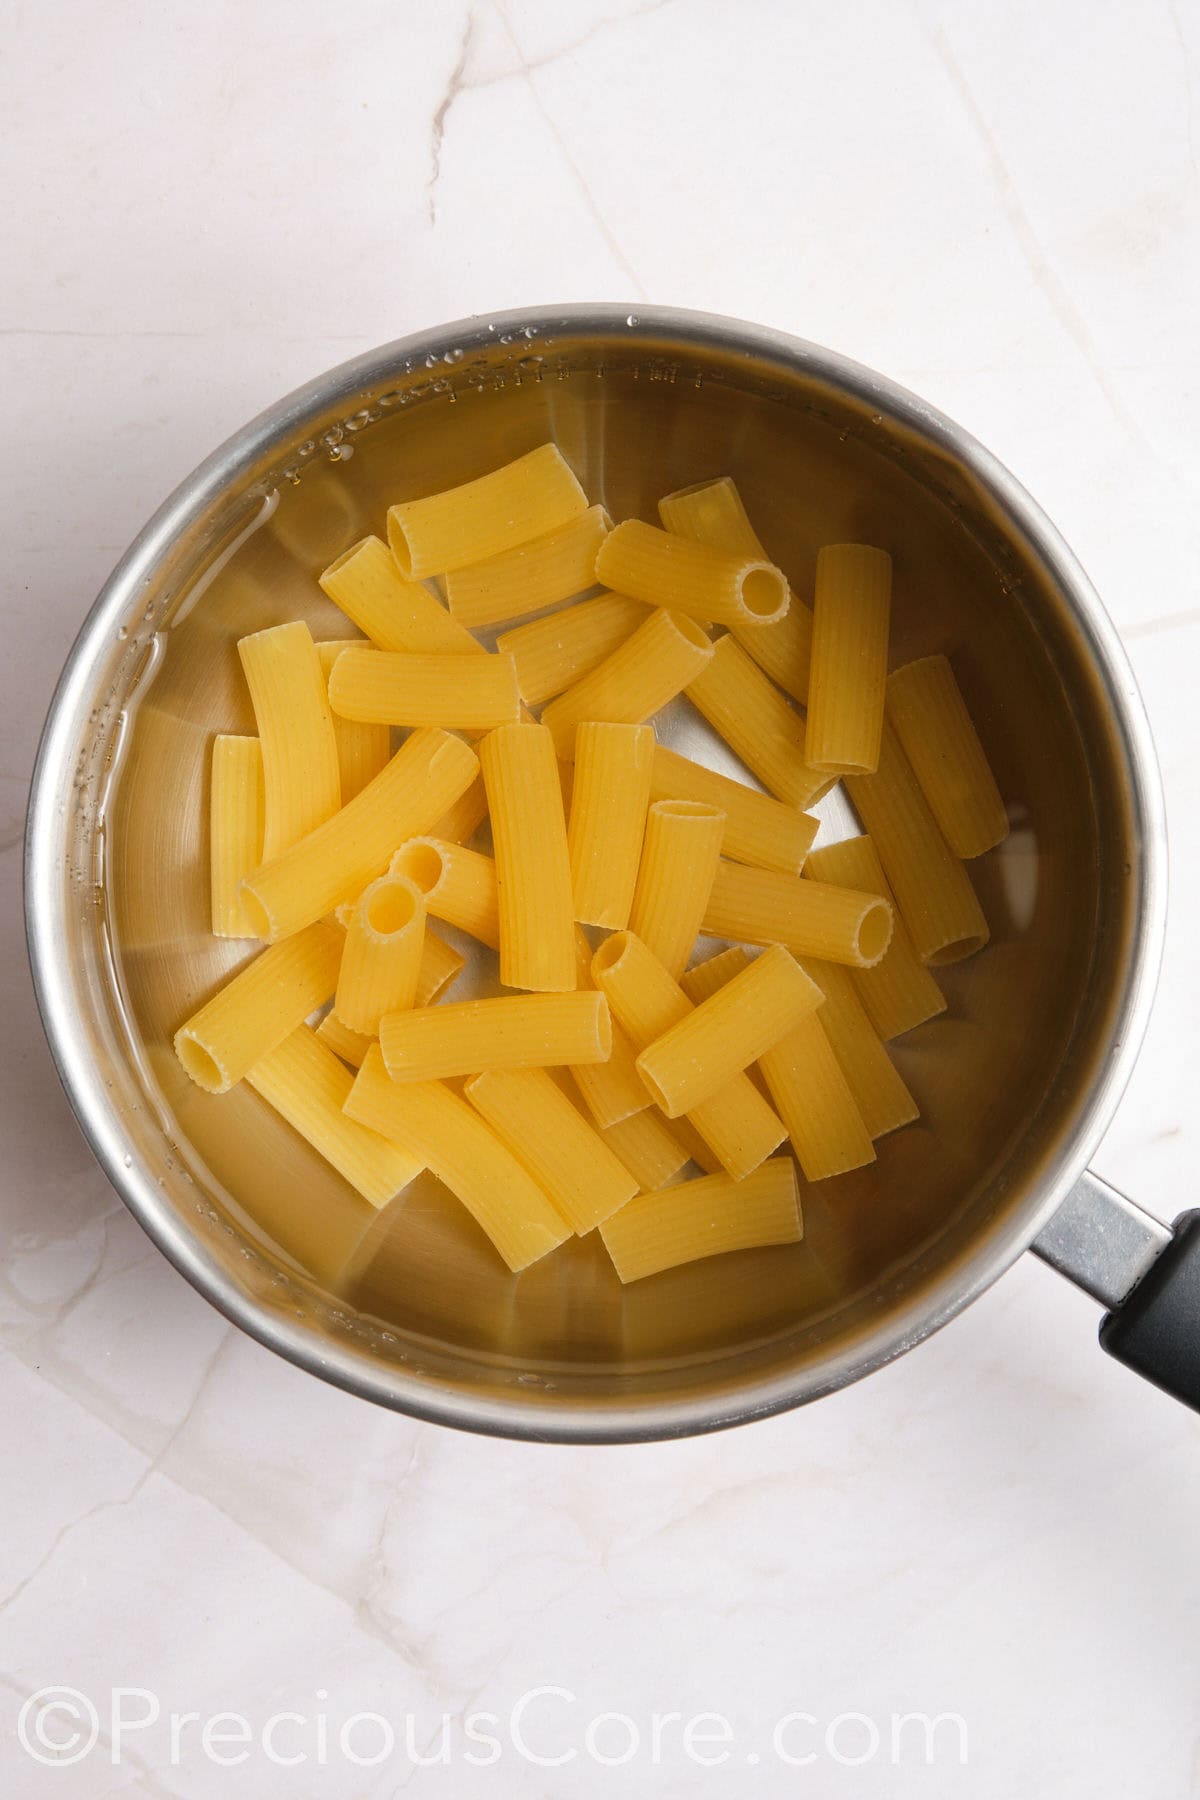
1000, 206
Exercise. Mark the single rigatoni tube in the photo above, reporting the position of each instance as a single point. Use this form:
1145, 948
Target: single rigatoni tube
531, 576
648, 1147
609, 798
847, 681
257, 1009
933, 891
459, 824
381, 959
679, 862
759, 829
307, 1085
519, 1031
363, 750
449, 1137
612, 1090
553, 652
395, 613
335, 862
706, 1217
533, 867
550, 1137
899, 992
805, 1080
642, 674
712, 512
351, 1046
459, 885
235, 829
392, 687
736, 1122
722, 1036
757, 723
441, 964
717, 586
301, 780
810, 918
525, 499
873, 1078
930, 717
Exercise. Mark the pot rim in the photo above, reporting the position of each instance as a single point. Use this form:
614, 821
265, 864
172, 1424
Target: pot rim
546, 1418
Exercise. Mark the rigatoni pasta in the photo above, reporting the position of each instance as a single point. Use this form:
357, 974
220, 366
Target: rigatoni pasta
650, 1149
848, 675
712, 512
381, 958
525, 1031
255, 1011
706, 1217
547, 1133
873, 1078
459, 885
553, 652
609, 797
935, 730
393, 687
301, 780
394, 612
363, 750
533, 575
679, 861
612, 1090
235, 829
898, 992
811, 918
533, 868
448, 1136
482, 518
757, 723
717, 586
758, 828
641, 675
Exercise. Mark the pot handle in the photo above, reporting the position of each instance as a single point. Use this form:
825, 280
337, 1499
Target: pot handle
1146, 1274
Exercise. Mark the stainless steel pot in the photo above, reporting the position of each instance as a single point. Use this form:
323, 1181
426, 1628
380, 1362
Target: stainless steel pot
1017, 1081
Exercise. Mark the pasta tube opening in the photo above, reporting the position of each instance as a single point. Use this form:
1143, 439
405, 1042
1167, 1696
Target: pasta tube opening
389, 905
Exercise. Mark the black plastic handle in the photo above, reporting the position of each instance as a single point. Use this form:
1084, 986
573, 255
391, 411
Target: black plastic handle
1156, 1329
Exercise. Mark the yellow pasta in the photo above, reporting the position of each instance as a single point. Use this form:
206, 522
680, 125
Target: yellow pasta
639, 677
381, 958
460, 823
257, 1009
675, 877
712, 512
899, 992
648, 1147
363, 750
721, 1037
720, 587
935, 730
307, 1085
810, 918
609, 798
873, 1078
805, 1081
848, 677
736, 1123
757, 723
533, 868
549, 1136
235, 829
453, 1142
933, 891
335, 862
759, 829
612, 1090
440, 965
525, 499
707, 1217
463, 693
394, 612
552, 653
351, 1046
301, 782
533, 575
519, 1031
459, 885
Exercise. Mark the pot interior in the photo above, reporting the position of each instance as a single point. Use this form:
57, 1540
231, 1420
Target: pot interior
413, 1302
